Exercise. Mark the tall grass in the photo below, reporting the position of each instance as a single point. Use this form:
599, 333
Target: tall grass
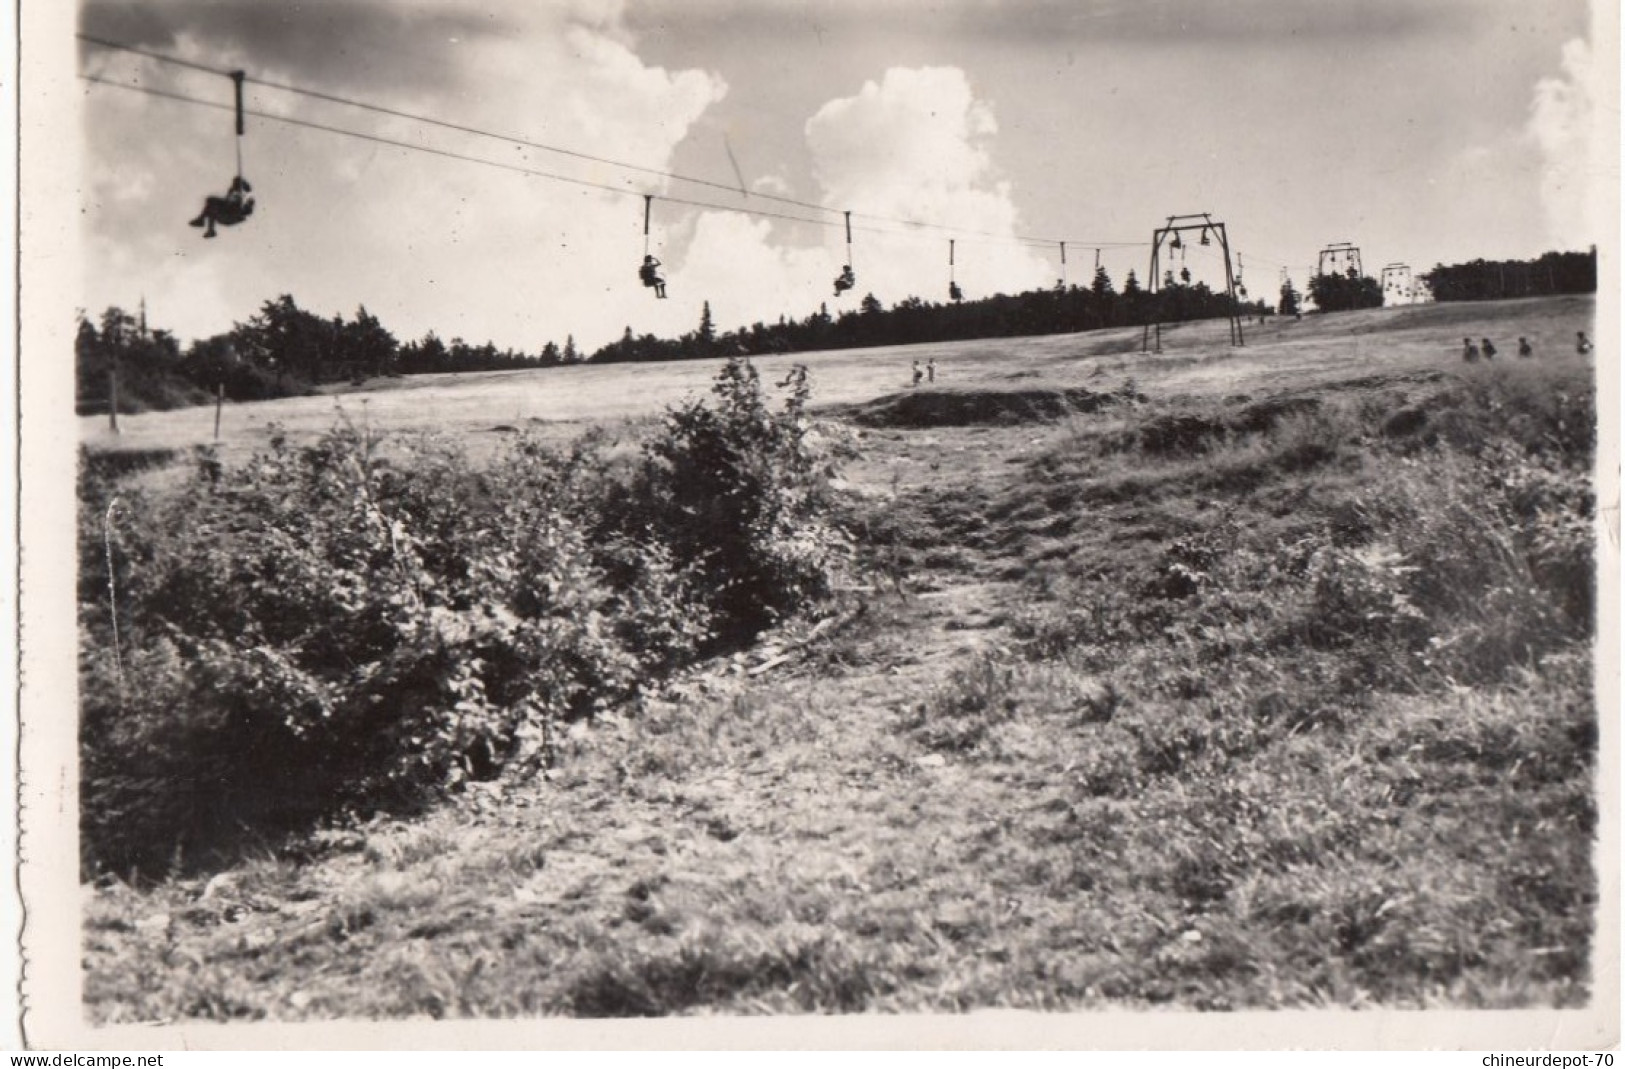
1346, 696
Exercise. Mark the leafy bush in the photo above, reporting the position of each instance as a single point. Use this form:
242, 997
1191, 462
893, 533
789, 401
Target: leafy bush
742, 494
331, 626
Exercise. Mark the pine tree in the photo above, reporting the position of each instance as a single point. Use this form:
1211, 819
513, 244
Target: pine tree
1289, 299
707, 334
1103, 303
570, 354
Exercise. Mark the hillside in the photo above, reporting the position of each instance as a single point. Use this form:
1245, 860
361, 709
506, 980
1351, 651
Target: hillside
1220, 679
560, 401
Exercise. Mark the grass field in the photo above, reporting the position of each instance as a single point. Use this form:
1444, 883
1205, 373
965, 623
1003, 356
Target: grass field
1170, 700
1195, 359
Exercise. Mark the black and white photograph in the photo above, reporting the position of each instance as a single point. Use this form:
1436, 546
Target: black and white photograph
905, 523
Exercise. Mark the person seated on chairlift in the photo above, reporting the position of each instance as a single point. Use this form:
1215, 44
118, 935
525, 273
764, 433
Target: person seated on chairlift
228, 210
845, 280
650, 274
954, 292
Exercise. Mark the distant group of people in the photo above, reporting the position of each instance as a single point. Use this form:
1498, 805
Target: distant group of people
1471, 350
929, 372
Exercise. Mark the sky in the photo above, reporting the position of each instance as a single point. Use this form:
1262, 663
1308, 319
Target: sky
1422, 133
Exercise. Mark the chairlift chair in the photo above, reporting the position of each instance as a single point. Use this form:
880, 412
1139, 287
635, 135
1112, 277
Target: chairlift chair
236, 205
847, 278
649, 270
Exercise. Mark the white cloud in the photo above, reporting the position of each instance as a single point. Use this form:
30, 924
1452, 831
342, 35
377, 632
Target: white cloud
424, 242
428, 242
747, 273
772, 184
914, 146
918, 133
1561, 122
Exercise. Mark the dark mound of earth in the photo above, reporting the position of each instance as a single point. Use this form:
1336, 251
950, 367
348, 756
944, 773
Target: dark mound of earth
960, 408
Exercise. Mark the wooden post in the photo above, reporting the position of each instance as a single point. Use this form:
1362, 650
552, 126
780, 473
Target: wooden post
112, 396
219, 400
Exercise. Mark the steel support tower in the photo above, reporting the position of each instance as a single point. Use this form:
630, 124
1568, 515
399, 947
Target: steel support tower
1204, 224
1349, 253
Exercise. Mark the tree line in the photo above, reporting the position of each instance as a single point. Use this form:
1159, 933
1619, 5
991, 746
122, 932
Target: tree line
1493, 280
282, 351
1065, 309
286, 350
1480, 280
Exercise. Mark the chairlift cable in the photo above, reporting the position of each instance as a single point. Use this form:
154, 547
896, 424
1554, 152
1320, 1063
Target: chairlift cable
446, 153
316, 94
461, 128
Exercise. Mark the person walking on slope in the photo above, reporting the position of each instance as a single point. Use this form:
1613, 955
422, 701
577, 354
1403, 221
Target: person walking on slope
1582, 344
931, 370
1524, 348
917, 374
1469, 351
1489, 349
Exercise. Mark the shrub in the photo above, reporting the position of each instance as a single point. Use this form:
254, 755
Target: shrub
325, 627
331, 626
742, 494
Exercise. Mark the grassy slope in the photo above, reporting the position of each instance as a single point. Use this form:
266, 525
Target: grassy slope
961, 797
1195, 359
